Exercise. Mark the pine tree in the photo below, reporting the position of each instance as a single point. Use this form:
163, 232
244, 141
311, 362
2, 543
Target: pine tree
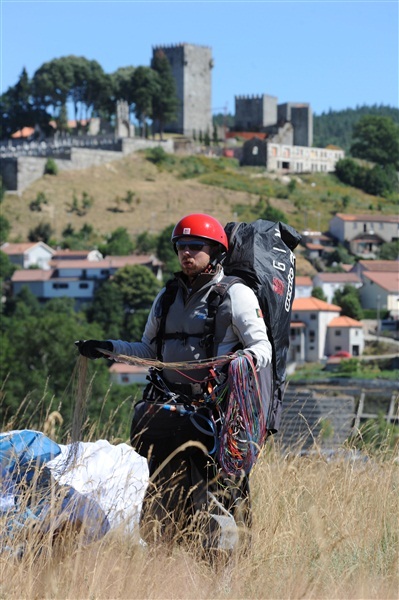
165, 101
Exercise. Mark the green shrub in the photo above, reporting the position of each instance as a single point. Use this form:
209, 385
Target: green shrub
51, 167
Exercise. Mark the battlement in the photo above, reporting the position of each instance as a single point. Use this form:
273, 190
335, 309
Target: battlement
249, 97
177, 45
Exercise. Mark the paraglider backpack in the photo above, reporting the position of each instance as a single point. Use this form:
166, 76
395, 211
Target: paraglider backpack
260, 255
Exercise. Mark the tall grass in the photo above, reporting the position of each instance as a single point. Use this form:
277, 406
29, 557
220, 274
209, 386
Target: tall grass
323, 528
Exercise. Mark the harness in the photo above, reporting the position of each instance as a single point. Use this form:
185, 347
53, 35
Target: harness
215, 298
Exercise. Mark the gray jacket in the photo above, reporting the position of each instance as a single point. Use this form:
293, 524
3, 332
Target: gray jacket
238, 321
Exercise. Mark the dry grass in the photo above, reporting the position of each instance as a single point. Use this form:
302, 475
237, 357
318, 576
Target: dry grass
322, 530
160, 199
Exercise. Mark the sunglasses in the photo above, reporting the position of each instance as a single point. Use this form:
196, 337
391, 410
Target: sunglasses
195, 246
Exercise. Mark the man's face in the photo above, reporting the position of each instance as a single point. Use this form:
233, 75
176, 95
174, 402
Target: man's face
193, 254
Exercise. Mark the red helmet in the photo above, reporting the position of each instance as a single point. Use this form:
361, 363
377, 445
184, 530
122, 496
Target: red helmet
202, 226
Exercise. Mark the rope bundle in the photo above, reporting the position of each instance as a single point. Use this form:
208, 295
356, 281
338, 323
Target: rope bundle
244, 425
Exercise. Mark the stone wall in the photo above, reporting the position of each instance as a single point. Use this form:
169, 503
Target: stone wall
18, 173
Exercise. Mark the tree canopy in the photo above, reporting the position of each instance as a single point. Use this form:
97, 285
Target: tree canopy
164, 105
376, 138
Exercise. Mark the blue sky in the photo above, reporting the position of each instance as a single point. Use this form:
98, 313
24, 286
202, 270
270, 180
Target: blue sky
332, 54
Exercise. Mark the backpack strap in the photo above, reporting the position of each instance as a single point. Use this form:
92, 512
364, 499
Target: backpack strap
215, 298
167, 299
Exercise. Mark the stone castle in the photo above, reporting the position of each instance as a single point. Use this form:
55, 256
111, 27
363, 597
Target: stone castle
287, 129
191, 68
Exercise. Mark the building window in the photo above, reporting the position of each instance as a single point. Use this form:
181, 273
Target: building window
337, 348
59, 286
105, 272
125, 378
83, 286
313, 317
338, 332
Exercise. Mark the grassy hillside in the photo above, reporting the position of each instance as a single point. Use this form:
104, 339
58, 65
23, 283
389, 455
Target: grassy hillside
141, 196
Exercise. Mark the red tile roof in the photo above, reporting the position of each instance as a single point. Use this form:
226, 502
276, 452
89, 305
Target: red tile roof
372, 218
315, 304
303, 280
123, 368
246, 135
21, 248
111, 262
345, 322
339, 277
25, 132
387, 281
22, 275
380, 265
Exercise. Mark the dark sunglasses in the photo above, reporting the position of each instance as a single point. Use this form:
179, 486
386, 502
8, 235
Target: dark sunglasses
196, 246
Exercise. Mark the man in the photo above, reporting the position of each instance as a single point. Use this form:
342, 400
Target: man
176, 409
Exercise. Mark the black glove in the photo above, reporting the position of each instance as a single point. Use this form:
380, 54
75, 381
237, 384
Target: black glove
88, 348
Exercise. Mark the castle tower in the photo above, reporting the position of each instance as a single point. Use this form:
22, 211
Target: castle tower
255, 112
301, 117
191, 68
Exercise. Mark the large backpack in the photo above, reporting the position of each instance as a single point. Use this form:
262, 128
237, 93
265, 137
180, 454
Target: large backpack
260, 255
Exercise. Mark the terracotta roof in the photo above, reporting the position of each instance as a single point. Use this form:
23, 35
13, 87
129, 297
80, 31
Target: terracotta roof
380, 265
346, 268
26, 275
303, 280
314, 304
71, 253
345, 322
123, 368
372, 218
338, 277
21, 248
387, 281
25, 132
297, 325
246, 135
111, 262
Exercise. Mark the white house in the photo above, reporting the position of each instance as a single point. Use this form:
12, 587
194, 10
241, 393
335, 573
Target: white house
380, 266
122, 374
303, 286
380, 291
364, 234
77, 279
68, 254
29, 254
344, 333
45, 285
102, 269
310, 318
331, 282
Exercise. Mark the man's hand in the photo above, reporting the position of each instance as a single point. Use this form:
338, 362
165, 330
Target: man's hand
88, 348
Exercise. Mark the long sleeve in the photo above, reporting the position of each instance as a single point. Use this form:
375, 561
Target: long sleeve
249, 325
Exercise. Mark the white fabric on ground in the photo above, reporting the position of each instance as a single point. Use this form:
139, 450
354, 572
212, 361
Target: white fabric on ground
114, 476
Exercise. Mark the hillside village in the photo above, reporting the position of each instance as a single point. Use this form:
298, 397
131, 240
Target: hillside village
275, 136
318, 330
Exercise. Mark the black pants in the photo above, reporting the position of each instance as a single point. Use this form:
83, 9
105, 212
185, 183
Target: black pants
180, 479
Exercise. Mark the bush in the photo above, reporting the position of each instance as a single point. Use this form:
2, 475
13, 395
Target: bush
51, 167
159, 157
